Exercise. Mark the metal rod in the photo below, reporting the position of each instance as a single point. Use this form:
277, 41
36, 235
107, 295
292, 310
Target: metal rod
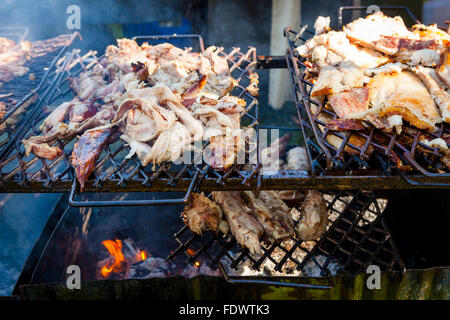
131, 203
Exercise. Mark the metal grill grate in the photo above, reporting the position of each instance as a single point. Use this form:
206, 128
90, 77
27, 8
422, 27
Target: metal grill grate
356, 237
113, 172
369, 152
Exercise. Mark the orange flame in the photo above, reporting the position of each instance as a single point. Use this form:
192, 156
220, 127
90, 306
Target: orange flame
197, 264
115, 249
143, 255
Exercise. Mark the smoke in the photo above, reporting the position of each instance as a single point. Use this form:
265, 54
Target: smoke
22, 217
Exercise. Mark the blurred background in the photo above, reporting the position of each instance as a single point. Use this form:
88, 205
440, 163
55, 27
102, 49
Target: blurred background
227, 23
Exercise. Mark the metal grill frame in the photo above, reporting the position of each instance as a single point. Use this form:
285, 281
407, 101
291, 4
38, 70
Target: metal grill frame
327, 160
122, 176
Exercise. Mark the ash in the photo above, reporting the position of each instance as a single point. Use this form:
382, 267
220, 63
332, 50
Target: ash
313, 268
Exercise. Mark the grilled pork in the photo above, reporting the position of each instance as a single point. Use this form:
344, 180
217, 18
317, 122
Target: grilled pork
405, 95
371, 30
273, 219
244, 227
13, 58
436, 88
86, 152
161, 98
345, 103
314, 217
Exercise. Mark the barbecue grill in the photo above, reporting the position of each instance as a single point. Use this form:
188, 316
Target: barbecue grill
28, 93
357, 234
419, 169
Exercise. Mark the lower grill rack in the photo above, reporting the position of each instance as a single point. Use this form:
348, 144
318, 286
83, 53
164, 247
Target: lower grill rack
356, 237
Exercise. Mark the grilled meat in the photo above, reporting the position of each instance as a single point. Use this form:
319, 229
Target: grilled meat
355, 100
314, 217
405, 95
436, 88
443, 70
338, 78
161, 98
274, 202
270, 156
365, 73
372, 30
86, 152
201, 214
244, 227
297, 159
13, 58
276, 226
2, 110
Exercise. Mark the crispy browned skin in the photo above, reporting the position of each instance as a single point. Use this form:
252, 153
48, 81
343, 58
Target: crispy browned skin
195, 89
86, 152
443, 70
2, 110
201, 214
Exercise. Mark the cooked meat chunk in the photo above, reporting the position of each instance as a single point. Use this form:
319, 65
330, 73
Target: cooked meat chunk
371, 30
405, 95
355, 100
436, 89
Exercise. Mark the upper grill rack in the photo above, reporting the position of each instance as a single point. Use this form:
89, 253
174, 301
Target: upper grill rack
356, 237
25, 91
419, 160
113, 172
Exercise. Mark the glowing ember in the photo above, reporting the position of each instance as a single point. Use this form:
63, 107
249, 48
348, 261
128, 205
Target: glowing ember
197, 264
190, 252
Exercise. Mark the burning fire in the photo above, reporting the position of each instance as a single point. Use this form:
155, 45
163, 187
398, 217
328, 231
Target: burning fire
143, 256
119, 262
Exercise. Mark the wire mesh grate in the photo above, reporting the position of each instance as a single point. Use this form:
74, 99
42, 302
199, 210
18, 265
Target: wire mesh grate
366, 152
356, 237
112, 170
